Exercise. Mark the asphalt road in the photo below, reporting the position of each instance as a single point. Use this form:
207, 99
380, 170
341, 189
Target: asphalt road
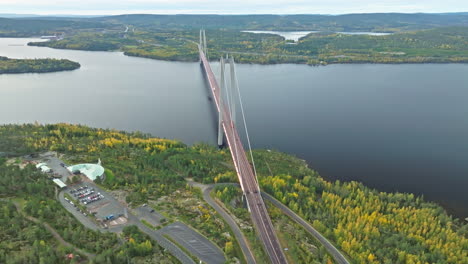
332, 250
86, 221
336, 254
229, 220
197, 244
163, 242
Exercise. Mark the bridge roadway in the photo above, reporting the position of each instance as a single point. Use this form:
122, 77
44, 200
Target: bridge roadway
249, 185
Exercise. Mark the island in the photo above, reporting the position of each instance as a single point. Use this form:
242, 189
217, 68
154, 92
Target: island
148, 196
8, 65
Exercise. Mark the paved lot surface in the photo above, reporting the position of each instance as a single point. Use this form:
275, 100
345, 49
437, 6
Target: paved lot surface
54, 164
165, 243
105, 206
144, 212
86, 221
194, 242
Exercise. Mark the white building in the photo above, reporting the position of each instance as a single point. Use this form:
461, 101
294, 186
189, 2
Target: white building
43, 167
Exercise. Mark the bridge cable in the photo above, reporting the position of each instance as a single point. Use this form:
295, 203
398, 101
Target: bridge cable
233, 103
246, 130
228, 91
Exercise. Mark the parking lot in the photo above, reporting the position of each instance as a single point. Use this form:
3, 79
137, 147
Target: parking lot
194, 242
98, 204
148, 214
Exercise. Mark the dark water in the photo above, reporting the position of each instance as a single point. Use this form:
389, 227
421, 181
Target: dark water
393, 127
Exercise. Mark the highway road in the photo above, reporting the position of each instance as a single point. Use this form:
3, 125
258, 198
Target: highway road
247, 178
336, 254
331, 249
206, 189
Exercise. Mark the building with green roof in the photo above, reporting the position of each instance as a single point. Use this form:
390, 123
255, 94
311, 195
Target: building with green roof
92, 171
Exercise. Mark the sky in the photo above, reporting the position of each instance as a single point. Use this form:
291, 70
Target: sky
113, 7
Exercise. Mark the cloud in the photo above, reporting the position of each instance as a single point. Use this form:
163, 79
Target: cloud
107, 7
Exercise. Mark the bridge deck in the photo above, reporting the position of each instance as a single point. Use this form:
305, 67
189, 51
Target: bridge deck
249, 185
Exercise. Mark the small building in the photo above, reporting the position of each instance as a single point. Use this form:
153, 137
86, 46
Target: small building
60, 183
38, 166
43, 167
46, 169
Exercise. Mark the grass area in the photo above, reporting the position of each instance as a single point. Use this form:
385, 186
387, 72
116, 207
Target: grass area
19, 200
146, 223
109, 176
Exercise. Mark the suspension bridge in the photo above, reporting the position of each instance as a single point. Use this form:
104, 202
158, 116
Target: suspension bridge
245, 172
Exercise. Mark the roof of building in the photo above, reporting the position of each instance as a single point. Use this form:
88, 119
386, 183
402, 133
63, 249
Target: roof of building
45, 168
40, 165
59, 183
92, 171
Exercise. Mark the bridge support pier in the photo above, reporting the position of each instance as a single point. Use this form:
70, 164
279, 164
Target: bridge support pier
245, 202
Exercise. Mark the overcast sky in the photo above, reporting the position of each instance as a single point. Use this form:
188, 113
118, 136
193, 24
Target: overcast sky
107, 7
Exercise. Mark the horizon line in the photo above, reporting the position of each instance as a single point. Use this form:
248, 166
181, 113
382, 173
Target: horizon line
223, 14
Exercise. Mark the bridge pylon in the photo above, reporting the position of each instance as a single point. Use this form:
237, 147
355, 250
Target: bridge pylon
233, 86
202, 44
220, 114
230, 91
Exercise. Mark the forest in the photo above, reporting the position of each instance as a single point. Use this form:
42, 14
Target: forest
27, 203
34, 27
36, 65
416, 38
437, 45
390, 22
367, 225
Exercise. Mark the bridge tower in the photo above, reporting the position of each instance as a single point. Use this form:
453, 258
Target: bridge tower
220, 114
233, 92
202, 46
230, 91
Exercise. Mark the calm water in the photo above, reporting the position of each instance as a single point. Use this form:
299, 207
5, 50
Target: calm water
296, 35
288, 35
393, 127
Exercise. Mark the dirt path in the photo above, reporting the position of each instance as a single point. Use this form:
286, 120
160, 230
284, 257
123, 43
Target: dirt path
54, 232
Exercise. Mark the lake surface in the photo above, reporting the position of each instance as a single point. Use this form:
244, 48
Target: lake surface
296, 35
393, 127
288, 35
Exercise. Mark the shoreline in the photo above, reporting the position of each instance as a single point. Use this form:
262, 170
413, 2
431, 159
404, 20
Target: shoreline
413, 60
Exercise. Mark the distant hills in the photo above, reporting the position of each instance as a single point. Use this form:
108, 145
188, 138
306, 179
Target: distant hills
12, 15
378, 22
19, 26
